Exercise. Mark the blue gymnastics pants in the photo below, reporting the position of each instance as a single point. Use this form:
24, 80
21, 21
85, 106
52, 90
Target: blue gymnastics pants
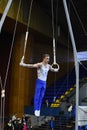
40, 88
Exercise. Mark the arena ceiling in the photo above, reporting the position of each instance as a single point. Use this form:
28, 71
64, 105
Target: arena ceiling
78, 15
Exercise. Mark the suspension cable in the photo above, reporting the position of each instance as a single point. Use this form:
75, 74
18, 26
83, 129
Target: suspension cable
83, 65
54, 47
55, 95
68, 55
27, 32
80, 21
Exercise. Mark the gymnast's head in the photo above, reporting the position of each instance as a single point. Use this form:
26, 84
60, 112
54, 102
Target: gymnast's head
46, 58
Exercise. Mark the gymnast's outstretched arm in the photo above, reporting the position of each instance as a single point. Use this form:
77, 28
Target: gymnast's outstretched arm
37, 65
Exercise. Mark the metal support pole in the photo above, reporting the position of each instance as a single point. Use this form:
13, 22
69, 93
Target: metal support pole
5, 14
75, 60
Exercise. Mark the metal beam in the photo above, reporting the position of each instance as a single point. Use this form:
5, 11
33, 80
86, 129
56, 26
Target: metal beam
82, 56
5, 14
75, 60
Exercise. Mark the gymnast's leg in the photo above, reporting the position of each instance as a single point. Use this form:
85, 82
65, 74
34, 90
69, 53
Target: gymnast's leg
39, 93
42, 92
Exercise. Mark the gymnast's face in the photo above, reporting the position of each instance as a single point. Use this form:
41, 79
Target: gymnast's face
46, 59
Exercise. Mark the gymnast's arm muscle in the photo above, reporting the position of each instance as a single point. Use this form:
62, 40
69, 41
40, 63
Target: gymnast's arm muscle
37, 65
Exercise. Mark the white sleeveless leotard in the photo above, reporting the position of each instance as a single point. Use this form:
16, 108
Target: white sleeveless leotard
42, 72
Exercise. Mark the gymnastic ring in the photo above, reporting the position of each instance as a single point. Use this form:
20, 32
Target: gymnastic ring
55, 66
